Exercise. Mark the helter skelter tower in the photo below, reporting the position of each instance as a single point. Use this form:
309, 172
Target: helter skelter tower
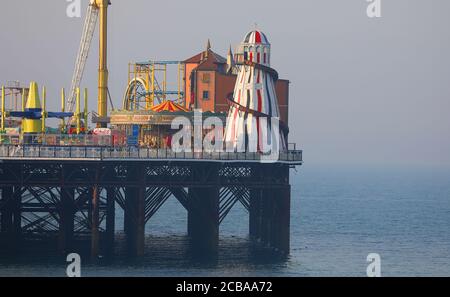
253, 123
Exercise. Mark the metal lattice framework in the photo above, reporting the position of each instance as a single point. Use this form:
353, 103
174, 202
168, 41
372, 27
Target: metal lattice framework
148, 85
45, 197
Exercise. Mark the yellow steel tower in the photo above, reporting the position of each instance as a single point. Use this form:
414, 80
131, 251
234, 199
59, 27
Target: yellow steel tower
97, 9
103, 58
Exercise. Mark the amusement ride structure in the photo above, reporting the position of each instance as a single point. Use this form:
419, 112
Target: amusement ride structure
66, 187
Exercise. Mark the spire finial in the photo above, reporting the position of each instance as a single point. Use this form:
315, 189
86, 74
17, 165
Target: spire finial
208, 48
230, 61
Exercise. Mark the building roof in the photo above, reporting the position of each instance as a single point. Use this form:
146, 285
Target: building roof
216, 58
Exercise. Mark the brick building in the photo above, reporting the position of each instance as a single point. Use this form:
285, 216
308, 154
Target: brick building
210, 78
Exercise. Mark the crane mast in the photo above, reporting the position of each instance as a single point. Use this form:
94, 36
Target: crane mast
83, 52
96, 8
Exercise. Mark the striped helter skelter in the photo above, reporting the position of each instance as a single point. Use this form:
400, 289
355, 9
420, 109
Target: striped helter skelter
254, 102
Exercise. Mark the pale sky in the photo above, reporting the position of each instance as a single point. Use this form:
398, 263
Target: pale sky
363, 91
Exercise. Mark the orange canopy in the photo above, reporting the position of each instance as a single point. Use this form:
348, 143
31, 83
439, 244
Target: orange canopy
169, 106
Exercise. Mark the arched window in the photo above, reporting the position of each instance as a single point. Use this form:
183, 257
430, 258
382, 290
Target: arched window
258, 54
265, 55
251, 51
245, 53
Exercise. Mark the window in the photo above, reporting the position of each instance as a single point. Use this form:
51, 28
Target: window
206, 78
205, 95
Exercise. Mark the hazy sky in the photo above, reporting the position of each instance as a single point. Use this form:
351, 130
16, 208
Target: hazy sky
363, 91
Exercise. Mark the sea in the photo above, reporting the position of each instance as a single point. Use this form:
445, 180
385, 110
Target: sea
339, 216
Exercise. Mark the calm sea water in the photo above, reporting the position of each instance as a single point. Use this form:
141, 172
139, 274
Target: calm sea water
338, 217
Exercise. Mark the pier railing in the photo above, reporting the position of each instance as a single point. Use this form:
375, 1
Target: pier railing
58, 140
132, 153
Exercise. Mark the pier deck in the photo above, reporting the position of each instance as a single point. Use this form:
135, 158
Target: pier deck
66, 191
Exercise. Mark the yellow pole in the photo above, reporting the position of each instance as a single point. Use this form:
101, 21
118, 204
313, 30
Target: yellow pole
63, 108
85, 110
23, 109
44, 111
135, 88
129, 74
103, 58
3, 111
152, 98
77, 112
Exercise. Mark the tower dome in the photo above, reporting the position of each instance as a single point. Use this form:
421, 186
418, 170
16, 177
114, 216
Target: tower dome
256, 37
255, 48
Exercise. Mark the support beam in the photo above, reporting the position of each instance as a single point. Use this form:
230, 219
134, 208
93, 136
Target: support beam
270, 218
128, 216
267, 199
6, 212
255, 213
95, 233
11, 217
17, 214
282, 220
140, 222
203, 219
110, 219
135, 211
67, 217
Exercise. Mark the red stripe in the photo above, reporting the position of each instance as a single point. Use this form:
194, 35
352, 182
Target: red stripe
258, 58
257, 37
258, 124
259, 101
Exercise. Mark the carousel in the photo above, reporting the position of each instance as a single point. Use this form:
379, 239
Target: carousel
149, 128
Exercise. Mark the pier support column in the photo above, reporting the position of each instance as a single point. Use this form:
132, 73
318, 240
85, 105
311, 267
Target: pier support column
11, 220
275, 218
110, 219
6, 211
140, 222
282, 220
255, 213
67, 217
203, 219
95, 232
135, 211
267, 198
